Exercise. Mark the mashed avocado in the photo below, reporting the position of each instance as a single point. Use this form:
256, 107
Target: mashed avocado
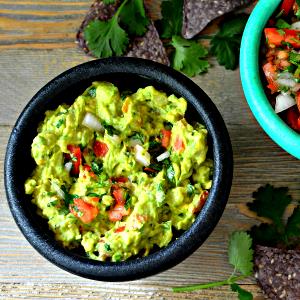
117, 173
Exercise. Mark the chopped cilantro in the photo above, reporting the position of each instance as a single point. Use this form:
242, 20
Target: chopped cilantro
92, 92
172, 15
294, 58
127, 201
171, 174
109, 1
281, 24
96, 168
107, 247
52, 203
94, 195
154, 144
190, 190
110, 129
281, 32
189, 56
138, 137
168, 125
225, 45
69, 198
59, 123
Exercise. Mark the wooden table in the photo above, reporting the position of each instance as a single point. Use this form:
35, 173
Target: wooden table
36, 44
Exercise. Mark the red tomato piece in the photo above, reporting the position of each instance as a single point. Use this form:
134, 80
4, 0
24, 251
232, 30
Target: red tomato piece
298, 100
94, 200
119, 179
87, 168
75, 155
119, 196
84, 211
100, 149
292, 116
271, 74
179, 145
120, 229
286, 6
166, 137
117, 213
201, 202
277, 36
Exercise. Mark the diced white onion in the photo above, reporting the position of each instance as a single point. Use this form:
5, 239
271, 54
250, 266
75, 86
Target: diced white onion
283, 102
115, 138
91, 121
288, 82
296, 25
142, 156
285, 75
134, 142
296, 88
58, 190
68, 166
163, 156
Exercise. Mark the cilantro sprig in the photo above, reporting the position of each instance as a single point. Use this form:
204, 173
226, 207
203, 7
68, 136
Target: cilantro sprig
271, 203
108, 38
240, 255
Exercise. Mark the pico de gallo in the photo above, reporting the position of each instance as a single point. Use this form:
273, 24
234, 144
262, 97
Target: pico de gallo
281, 66
117, 173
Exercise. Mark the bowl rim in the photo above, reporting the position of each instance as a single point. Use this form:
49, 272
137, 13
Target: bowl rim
254, 92
192, 238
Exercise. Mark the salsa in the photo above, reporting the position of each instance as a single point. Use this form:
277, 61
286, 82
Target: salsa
281, 64
117, 173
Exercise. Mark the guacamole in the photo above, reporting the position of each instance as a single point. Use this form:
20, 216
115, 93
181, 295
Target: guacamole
118, 172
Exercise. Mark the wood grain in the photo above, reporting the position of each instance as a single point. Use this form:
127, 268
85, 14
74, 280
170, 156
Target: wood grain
36, 44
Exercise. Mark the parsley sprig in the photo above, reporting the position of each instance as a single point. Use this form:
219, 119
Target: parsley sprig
240, 255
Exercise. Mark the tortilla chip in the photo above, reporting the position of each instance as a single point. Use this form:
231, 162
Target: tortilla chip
278, 272
198, 13
148, 46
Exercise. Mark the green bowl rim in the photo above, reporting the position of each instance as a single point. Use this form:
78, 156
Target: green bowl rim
254, 92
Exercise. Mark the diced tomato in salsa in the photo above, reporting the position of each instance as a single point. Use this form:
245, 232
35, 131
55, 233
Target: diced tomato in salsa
276, 37
179, 144
117, 213
119, 195
286, 6
201, 202
271, 74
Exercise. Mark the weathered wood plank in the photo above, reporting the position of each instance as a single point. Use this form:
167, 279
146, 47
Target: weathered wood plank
113, 291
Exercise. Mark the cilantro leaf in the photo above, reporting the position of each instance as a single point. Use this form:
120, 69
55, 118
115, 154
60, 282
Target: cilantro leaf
240, 252
189, 56
293, 224
134, 18
172, 14
242, 294
281, 24
225, 45
265, 235
270, 202
108, 1
106, 39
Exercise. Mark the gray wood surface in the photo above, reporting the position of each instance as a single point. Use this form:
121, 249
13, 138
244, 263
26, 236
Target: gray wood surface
36, 44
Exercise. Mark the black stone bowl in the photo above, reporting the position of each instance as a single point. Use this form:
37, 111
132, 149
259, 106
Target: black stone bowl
127, 74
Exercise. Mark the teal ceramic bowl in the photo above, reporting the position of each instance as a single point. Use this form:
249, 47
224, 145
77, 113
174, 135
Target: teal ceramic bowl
264, 113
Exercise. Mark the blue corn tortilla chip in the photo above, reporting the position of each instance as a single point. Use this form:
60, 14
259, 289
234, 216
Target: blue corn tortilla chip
277, 271
197, 14
148, 46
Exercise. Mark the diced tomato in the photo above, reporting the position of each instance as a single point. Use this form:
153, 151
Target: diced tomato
292, 116
286, 6
201, 202
84, 211
119, 196
87, 168
271, 74
142, 218
166, 137
119, 179
179, 145
120, 229
275, 37
94, 200
75, 156
100, 149
298, 100
117, 213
